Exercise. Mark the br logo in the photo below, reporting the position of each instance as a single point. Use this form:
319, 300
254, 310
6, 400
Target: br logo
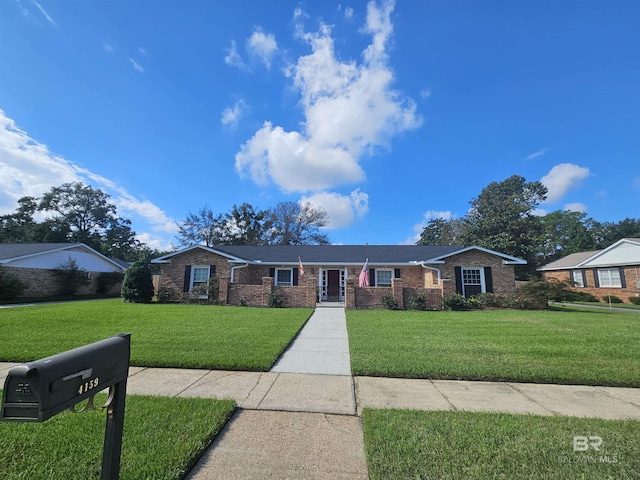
582, 443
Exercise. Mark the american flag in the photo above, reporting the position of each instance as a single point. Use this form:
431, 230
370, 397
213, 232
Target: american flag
363, 279
300, 267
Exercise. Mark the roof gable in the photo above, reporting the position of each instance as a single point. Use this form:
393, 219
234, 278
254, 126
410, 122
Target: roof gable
624, 252
51, 255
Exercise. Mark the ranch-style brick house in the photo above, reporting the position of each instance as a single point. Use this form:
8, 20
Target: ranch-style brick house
310, 275
612, 271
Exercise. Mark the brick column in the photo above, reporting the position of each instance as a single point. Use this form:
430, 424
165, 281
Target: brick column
350, 293
396, 286
311, 284
223, 289
267, 288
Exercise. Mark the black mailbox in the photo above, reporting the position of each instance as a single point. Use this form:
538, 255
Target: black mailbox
36, 391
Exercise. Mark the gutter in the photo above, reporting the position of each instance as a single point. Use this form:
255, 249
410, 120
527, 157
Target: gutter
233, 270
435, 269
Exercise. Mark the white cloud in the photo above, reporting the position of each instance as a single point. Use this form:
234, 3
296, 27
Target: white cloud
137, 67
562, 178
349, 110
262, 46
425, 93
108, 48
143, 51
341, 209
419, 227
28, 168
234, 59
576, 207
231, 115
537, 154
51, 21
348, 12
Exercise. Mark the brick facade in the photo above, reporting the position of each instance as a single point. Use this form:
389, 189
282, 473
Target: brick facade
43, 283
504, 278
631, 276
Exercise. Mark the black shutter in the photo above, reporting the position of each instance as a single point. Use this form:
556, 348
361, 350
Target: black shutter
187, 278
458, 271
295, 277
372, 277
596, 282
584, 278
272, 272
396, 273
212, 271
623, 282
488, 279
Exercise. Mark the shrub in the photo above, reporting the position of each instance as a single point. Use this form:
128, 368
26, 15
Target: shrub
454, 302
490, 300
137, 286
473, 303
635, 300
10, 286
168, 294
612, 299
207, 293
418, 302
388, 302
107, 280
71, 277
274, 300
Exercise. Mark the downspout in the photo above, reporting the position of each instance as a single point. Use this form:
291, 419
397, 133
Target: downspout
437, 270
233, 270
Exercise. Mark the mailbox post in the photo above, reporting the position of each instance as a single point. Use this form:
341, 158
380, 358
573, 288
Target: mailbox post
36, 391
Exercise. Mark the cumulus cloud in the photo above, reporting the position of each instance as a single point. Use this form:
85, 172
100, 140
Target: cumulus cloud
231, 115
29, 168
350, 109
576, 207
234, 59
341, 209
562, 178
537, 154
348, 12
262, 46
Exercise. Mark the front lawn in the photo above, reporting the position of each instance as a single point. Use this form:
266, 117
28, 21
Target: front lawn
565, 347
403, 444
183, 336
162, 439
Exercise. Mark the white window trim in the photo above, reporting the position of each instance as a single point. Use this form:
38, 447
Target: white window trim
600, 283
483, 285
384, 270
193, 274
275, 277
579, 282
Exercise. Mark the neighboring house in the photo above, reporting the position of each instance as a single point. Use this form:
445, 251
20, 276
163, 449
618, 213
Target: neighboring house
612, 271
33, 263
331, 273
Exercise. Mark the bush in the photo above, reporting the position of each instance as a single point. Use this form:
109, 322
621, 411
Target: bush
274, 300
107, 280
71, 277
205, 294
418, 302
10, 286
137, 286
168, 294
635, 300
612, 299
388, 302
454, 302
473, 303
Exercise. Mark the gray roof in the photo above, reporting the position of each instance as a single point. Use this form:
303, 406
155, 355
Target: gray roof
570, 261
334, 254
16, 250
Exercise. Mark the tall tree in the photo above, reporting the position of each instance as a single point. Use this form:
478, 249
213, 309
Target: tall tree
202, 228
293, 224
20, 227
440, 231
502, 218
245, 226
564, 233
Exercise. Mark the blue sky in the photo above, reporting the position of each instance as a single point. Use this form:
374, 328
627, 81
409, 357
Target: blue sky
386, 114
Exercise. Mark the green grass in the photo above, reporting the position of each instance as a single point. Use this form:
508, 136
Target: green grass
411, 444
163, 438
566, 347
605, 304
185, 336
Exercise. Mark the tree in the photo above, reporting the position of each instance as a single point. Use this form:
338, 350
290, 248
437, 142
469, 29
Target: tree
20, 227
442, 232
293, 224
119, 241
202, 228
245, 226
502, 218
564, 233
137, 286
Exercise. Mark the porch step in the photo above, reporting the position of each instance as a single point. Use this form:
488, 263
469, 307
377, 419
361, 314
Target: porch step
330, 305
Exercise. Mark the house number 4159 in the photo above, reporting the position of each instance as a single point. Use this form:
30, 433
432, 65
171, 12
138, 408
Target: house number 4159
86, 386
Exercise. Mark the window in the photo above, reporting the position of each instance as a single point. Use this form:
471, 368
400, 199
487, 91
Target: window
472, 281
199, 276
578, 278
284, 277
383, 277
609, 277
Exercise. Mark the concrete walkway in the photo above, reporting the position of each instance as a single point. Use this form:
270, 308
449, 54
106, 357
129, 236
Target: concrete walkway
301, 419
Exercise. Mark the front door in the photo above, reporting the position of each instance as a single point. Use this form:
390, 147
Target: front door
333, 285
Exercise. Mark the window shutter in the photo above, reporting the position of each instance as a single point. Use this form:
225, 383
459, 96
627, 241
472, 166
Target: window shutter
396, 273
623, 282
488, 279
272, 272
212, 271
295, 277
584, 278
596, 282
458, 280
372, 277
187, 278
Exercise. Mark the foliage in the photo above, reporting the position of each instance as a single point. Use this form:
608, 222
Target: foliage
202, 228
137, 286
168, 294
388, 301
454, 302
565, 232
10, 286
440, 231
556, 291
70, 277
107, 280
612, 299
293, 224
634, 300
418, 301
274, 300
205, 294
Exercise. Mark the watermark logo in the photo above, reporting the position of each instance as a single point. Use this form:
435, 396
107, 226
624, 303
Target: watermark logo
583, 443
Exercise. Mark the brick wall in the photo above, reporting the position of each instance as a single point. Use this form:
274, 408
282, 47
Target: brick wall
432, 295
601, 293
504, 279
43, 283
173, 273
